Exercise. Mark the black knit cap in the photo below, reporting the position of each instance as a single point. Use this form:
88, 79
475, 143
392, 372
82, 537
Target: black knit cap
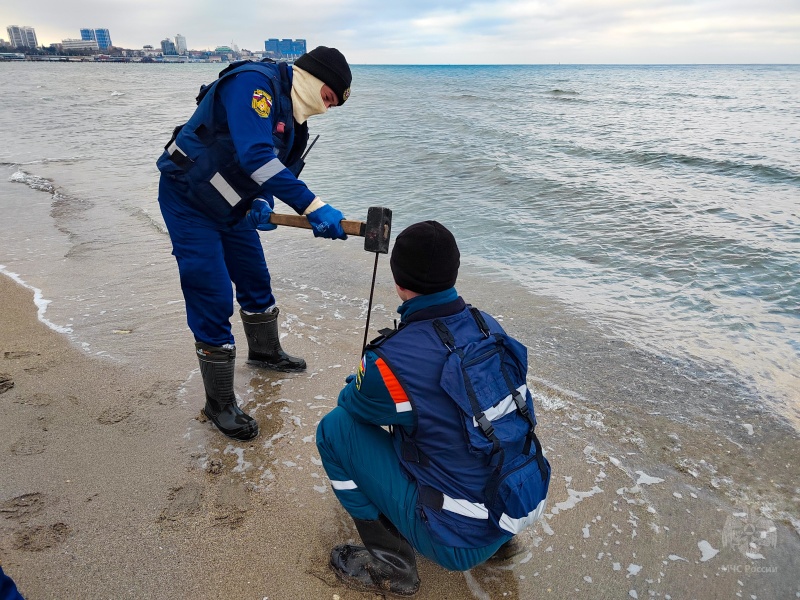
425, 258
329, 66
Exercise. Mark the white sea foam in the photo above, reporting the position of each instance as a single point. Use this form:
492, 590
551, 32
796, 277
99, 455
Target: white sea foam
645, 479
573, 499
38, 300
707, 550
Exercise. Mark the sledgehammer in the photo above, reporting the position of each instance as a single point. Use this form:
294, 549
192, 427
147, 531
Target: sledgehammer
376, 232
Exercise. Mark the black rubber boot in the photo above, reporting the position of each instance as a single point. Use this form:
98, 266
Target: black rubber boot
216, 365
387, 564
264, 346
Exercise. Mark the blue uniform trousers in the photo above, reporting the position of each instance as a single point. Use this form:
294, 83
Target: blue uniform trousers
363, 454
210, 256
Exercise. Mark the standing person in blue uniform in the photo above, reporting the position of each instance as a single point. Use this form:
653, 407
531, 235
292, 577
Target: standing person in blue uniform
423, 485
220, 173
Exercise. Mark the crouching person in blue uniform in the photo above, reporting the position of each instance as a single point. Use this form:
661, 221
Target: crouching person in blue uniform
460, 470
220, 173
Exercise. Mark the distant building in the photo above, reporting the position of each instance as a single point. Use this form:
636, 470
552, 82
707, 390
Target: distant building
72, 44
180, 43
22, 36
284, 49
168, 47
101, 36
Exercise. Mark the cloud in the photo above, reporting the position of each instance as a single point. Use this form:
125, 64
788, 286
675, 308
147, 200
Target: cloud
448, 31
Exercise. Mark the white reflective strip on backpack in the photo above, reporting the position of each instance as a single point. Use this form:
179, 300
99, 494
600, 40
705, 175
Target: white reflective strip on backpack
466, 508
343, 485
267, 171
402, 407
504, 407
225, 189
514, 526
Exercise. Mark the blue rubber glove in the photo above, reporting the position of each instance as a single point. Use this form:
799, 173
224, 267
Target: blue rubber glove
325, 223
257, 217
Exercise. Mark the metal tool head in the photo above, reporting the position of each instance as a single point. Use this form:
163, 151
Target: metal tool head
378, 229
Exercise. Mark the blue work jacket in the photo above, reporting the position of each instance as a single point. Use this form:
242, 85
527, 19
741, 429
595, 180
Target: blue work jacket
241, 143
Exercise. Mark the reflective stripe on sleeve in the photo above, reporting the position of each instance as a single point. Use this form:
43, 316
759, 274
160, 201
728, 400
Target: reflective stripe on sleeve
224, 188
173, 147
504, 407
466, 508
514, 526
343, 485
396, 391
267, 171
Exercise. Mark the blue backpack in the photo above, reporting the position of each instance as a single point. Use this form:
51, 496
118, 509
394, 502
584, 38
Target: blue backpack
487, 380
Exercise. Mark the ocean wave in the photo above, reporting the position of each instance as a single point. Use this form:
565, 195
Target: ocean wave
42, 161
144, 215
717, 166
33, 181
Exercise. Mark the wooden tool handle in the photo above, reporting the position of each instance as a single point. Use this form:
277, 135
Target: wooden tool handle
350, 227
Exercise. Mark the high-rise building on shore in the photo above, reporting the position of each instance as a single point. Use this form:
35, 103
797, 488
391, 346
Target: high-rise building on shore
284, 49
168, 47
22, 36
180, 43
101, 36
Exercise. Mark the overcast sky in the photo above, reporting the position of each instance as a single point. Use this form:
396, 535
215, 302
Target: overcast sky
445, 31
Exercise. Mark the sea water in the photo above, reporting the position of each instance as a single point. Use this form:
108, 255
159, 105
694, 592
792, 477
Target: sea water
662, 203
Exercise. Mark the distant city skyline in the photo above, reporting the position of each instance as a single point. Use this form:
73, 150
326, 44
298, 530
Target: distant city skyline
451, 31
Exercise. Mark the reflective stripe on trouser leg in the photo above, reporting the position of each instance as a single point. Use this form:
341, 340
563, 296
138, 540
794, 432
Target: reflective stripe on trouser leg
363, 453
330, 443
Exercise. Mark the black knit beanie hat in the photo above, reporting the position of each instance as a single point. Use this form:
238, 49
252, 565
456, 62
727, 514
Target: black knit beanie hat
425, 258
329, 66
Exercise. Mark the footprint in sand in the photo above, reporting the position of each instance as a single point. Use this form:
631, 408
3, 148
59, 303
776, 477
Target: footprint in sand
36, 539
6, 382
37, 400
23, 507
114, 414
160, 392
28, 446
231, 505
182, 502
17, 354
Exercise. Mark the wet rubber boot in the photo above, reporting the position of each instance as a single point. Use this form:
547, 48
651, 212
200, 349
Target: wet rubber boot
263, 341
386, 564
216, 366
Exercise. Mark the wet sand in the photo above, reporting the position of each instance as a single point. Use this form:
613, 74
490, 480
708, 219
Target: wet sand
113, 486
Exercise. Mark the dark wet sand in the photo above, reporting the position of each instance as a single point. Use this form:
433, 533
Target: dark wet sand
113, 487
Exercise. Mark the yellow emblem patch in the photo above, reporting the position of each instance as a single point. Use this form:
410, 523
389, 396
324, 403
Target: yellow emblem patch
262, 103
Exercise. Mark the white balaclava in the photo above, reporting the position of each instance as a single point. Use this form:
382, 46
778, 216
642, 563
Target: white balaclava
306, 95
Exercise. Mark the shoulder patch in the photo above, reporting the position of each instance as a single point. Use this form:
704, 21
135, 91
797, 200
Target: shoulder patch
362, 368
262, 103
